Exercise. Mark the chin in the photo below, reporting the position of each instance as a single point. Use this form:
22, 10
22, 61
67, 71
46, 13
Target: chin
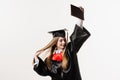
62, 47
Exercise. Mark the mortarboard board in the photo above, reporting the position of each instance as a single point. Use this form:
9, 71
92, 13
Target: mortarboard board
58, 33
77, 12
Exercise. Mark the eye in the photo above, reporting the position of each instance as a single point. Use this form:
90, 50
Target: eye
61, 40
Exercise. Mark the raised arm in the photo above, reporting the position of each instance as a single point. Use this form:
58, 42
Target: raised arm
78, 37
80, 34
39, 65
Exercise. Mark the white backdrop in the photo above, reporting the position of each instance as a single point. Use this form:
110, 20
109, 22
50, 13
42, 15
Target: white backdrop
23, 30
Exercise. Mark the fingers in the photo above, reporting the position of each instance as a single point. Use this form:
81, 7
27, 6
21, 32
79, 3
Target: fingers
81, 8
38, 53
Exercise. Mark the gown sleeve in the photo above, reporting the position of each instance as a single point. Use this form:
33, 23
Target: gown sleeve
40, 67
78, 37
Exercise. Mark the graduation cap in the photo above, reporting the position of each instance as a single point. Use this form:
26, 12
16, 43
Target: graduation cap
58, 33
77, 12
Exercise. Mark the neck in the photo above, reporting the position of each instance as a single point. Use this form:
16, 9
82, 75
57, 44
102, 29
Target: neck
59, 49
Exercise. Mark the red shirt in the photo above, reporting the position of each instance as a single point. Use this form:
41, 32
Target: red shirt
57, 56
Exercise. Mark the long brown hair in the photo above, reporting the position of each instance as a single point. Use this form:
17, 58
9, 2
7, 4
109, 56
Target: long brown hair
51, 46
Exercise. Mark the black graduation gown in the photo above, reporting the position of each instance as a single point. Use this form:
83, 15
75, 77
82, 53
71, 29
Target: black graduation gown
78, 37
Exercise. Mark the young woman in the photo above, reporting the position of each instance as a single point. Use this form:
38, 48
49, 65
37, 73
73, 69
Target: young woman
62, 63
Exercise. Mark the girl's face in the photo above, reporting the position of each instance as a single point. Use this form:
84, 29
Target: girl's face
61, 43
